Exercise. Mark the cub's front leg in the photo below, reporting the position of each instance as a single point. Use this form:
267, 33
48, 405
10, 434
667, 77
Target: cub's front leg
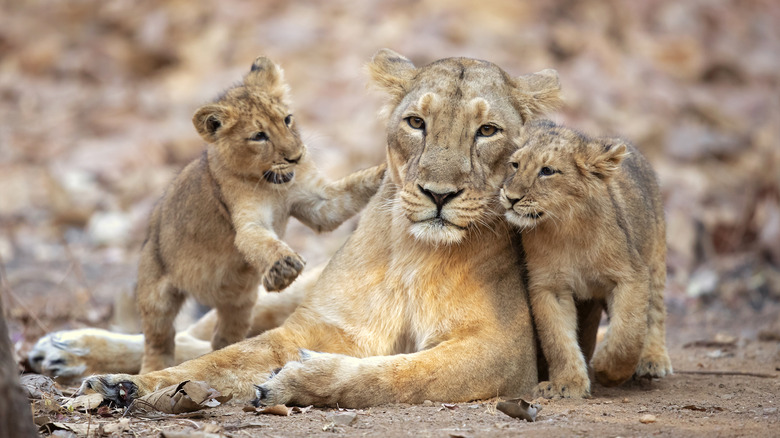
274, 259
556, 322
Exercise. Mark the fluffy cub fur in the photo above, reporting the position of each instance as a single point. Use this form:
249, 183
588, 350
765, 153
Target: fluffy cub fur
593, 228
215, 234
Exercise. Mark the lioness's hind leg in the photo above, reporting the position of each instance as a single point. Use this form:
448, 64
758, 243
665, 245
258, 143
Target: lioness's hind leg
158, 303
618, 357
655, 361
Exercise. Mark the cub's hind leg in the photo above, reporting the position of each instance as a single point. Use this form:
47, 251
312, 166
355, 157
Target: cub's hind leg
655, 361
618, 357
234, 315
158, 303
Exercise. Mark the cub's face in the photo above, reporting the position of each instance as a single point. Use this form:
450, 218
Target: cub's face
450, 131
553, 173
252, 127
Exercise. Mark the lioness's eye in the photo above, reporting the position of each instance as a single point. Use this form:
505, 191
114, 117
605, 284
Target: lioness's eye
546, 171
486, 131
288, 120
260, 136
514, 164
416, 122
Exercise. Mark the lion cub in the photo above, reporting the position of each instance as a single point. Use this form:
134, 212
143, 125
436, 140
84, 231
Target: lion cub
215, 233
593, 228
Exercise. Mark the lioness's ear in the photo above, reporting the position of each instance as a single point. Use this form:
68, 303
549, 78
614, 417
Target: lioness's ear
269, 76
602, 157
537, 93
392, 73
210, 119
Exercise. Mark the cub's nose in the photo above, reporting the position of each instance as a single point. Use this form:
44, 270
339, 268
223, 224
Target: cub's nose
514, 201
440, 199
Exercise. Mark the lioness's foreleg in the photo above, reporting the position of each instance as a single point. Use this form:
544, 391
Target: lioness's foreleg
234, 369
556, 322
454, 371
618, 357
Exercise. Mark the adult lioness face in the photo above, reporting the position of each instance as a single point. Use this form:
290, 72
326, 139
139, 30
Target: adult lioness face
450, 130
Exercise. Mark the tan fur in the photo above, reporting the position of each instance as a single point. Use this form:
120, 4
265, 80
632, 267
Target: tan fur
593, 228
216, 232
415, 305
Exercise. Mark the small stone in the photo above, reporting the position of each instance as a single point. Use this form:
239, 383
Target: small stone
427, 403
647, 419
625, 400
343, 418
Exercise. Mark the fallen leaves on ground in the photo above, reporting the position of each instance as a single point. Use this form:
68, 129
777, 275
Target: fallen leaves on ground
187, 396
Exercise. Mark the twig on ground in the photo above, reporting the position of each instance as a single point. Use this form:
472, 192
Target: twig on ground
726, 373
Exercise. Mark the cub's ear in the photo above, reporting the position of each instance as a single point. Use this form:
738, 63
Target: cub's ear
392, 73
211, 119
537, 94
269, 76
602, 157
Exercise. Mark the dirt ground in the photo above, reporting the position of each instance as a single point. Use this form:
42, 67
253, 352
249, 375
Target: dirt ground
727, 383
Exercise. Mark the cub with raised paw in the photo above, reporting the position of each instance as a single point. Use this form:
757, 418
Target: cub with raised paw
593, 227
215, 233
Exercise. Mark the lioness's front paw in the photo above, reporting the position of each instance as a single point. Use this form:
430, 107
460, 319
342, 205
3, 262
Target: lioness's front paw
562, 390
117, 388
312, 381
283, 272
654, 365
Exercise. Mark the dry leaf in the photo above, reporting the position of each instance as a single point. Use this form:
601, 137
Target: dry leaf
519, 408
187, 396
85, 402
37, 386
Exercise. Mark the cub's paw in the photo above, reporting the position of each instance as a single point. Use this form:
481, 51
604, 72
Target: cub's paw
562, 390
654, 365
283, 272
117, 388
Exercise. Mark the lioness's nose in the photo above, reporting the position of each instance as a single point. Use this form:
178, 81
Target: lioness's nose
440, 198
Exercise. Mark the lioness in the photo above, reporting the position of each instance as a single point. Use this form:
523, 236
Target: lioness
425, 301
215, 233
593, 228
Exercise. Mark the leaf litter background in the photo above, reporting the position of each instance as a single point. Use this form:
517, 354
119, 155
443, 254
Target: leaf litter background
96, 99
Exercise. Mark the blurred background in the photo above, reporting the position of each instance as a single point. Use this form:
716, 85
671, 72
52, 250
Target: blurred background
96, 99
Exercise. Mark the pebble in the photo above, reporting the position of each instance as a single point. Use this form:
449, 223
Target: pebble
647, 418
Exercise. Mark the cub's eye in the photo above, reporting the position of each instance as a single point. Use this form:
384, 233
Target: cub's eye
486, 131
416, 122
546, 171
288, 120
514, 164
260, 136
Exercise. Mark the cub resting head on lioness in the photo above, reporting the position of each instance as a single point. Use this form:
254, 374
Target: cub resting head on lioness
593, 228
425, 301
215, 234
